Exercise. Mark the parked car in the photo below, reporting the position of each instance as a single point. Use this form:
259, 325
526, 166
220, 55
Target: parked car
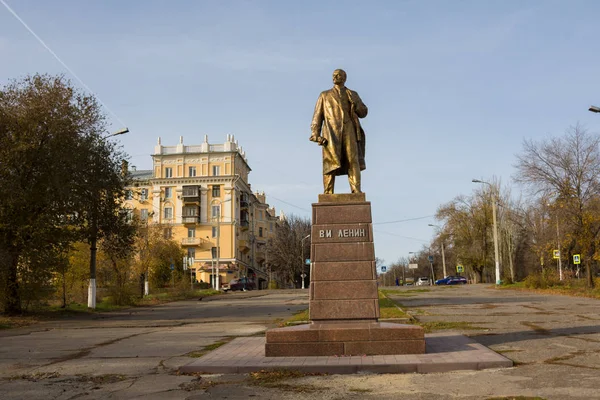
452, 280
422, 281
239, 284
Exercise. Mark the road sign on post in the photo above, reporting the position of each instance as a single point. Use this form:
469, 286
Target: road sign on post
576, 259
556, 254
413, 266
307, 261
460, 268
430, 259
383, 269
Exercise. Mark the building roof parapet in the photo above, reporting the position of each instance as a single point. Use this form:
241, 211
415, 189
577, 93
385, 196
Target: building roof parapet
230, 145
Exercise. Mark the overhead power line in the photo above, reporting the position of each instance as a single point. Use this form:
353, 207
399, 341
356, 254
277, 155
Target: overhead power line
403, 220
61, 61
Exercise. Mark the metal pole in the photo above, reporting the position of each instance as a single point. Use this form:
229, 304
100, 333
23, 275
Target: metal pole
498, 281
93, 248
218, 249
146, 280
303, 275
560, 273
302, 256
443, 262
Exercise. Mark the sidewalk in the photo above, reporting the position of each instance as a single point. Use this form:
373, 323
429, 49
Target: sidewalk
444, 352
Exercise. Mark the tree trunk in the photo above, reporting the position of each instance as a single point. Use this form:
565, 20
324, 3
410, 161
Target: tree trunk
13, 299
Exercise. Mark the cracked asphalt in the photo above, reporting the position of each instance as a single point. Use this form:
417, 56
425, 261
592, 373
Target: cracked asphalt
553, 340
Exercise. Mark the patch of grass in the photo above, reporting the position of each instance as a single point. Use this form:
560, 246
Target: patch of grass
299, 316
101, 379
209, 348
34, 377
274, 379
17, 321
166, 297
572, 287
389, 309
360, 390
445, 325
402, 293
419, 290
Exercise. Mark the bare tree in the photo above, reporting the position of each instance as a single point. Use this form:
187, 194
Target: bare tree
567, 170
285, 250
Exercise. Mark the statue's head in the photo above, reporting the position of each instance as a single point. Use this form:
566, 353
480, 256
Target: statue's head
339, 77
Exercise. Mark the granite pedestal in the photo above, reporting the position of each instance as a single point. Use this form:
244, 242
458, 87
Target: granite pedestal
344, 302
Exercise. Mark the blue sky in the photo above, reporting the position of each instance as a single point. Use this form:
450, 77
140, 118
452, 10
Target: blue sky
453, 87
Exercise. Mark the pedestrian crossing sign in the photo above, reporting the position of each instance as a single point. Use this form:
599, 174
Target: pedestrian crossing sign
460, 268
576, 259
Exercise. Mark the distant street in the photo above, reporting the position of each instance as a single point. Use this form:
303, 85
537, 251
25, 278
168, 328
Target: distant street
553, 340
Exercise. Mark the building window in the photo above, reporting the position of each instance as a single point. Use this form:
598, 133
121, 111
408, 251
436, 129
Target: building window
192, 171
190, 211
144, 194
191, 252
213, 252
128, 215
168, 193
260, 214
168, 213
216, 211
216, 191
191, 232
271, 227
260, 231
167, 233
216, 170
168, 172
214, 231
144, 214
128, 195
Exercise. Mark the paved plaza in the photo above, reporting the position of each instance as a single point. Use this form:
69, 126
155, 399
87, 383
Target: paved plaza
553, 341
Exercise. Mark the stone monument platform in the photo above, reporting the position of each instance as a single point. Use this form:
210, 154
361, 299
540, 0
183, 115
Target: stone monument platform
343, 299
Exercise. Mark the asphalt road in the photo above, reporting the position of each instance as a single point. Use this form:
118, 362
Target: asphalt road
554, 341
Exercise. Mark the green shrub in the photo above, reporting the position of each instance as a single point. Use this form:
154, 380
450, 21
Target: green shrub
548, 278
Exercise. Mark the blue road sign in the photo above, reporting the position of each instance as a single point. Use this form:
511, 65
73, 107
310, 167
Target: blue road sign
430, 258
307, 261
383, 269
172, 267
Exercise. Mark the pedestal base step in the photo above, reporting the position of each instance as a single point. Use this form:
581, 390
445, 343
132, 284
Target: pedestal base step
347, 339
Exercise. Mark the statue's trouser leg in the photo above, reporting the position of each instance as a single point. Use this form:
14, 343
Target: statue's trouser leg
328, 183
350, 147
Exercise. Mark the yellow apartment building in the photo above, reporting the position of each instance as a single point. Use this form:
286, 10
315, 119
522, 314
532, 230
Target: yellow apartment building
200, 196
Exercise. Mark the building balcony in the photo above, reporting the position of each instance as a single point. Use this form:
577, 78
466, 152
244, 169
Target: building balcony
244, 204
244, 224
190, 194
193, 219
243, 245
193, 241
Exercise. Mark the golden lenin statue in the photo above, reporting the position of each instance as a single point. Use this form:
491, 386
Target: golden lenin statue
335, 127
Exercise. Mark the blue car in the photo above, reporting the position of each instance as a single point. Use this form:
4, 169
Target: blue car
452, 280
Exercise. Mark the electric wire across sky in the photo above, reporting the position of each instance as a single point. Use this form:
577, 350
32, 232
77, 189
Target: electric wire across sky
61, 62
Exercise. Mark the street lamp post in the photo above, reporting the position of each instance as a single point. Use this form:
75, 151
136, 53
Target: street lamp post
498, 280
560, 273
94, 237
409, 253
303, 260
443, 255
218, 218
